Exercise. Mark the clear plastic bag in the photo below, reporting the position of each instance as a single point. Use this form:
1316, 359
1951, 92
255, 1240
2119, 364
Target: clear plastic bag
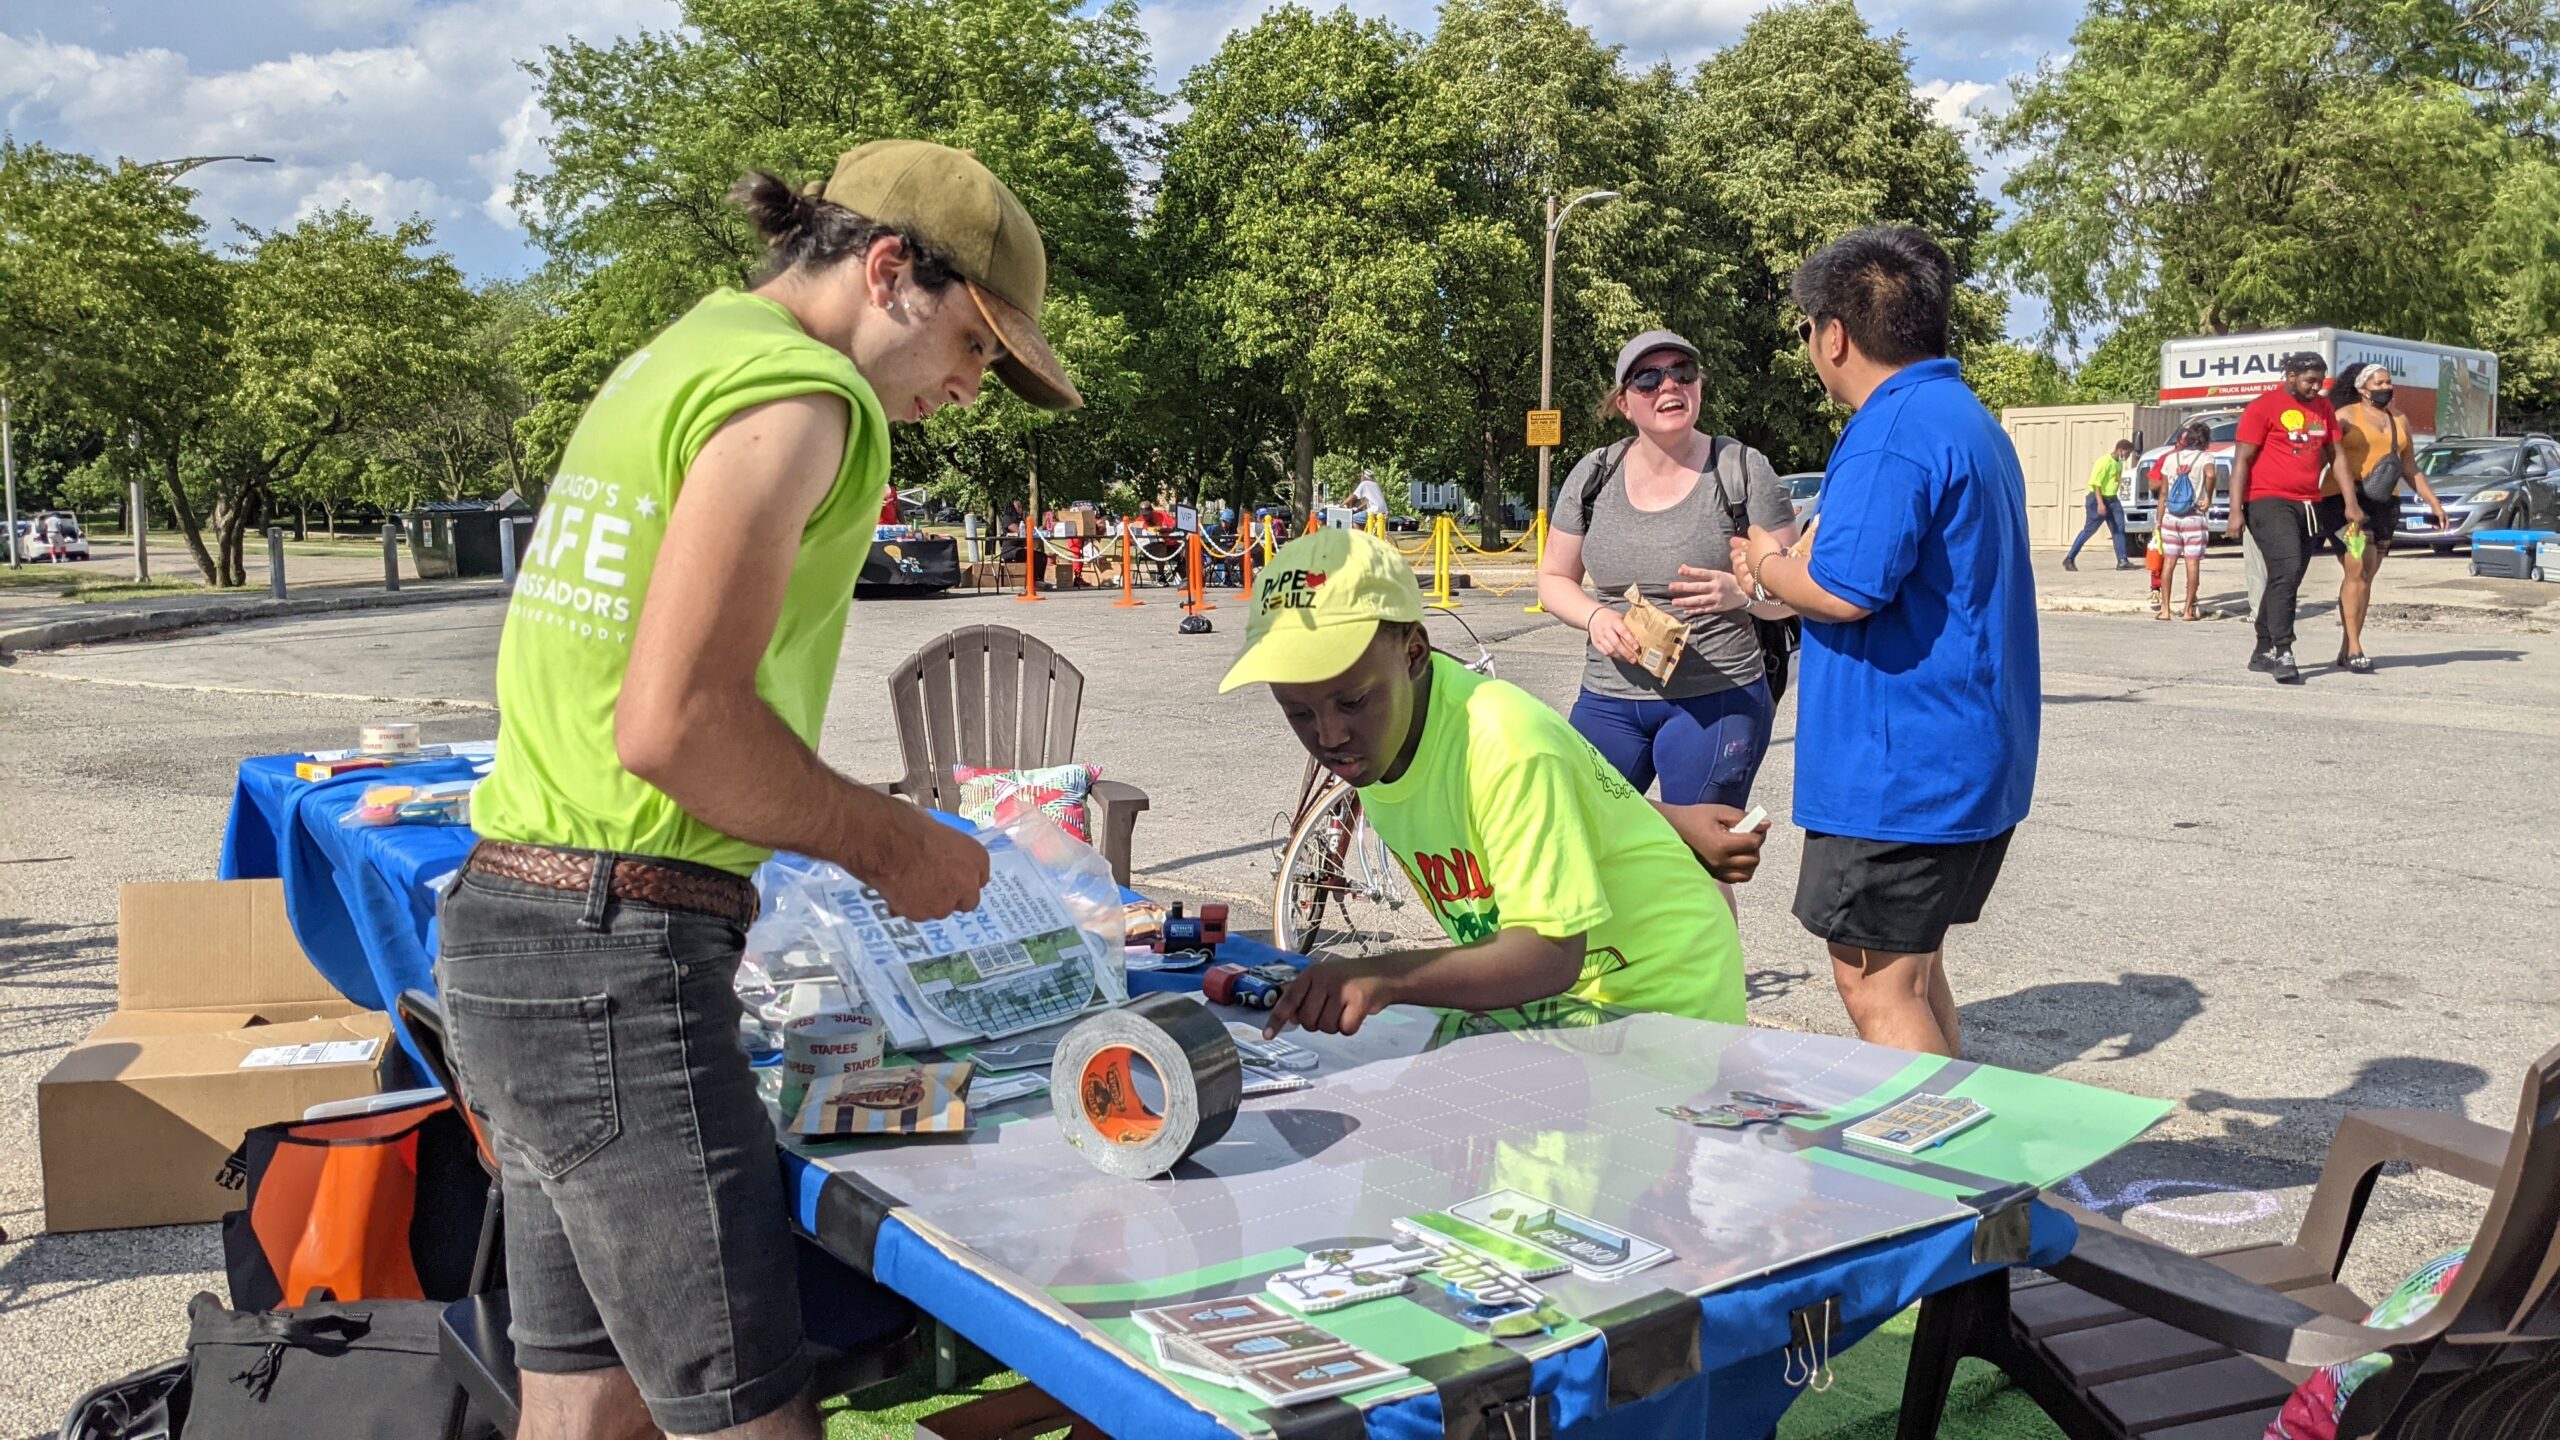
1043, 945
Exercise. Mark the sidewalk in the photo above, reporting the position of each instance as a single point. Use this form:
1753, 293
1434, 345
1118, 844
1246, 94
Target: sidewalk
40, 618
2418, 587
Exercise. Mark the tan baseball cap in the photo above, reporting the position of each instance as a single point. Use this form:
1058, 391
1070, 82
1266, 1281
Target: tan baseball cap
945, 199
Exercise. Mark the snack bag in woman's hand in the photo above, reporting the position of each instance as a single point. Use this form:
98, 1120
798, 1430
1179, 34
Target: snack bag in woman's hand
1660, 635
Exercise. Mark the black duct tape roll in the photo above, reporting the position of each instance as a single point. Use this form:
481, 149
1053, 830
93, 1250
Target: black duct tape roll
1094, 1089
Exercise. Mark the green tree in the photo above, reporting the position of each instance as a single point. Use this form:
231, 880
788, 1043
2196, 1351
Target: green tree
2244, 164
2006, 375
1532, 107
112, 312
654, 129
1804, 129
335, 327
1299, 205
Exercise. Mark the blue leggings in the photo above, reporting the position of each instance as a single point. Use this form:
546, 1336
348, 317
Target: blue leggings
1706, 749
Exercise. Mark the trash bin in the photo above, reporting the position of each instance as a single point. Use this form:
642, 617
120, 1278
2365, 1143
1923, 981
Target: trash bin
450, 538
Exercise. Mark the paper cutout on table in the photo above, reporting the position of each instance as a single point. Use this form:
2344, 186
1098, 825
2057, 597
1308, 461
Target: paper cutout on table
901, 1100
1595, 1251
1332, 1279
1021, 1055
987, 1090
1319, 1376
1258, 1081
1745, 1107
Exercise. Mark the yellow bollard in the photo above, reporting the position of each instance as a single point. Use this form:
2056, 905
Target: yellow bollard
1444, 557
1538, 531
1128, 569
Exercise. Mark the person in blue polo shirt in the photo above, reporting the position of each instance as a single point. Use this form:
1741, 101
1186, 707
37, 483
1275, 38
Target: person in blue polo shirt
1918, 709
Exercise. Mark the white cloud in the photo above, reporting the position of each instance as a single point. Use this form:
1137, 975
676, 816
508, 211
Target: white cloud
1651, 30
436, 118
1957, 104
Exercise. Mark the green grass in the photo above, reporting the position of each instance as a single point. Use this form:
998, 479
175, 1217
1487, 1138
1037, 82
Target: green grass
88, 585
1863, 1402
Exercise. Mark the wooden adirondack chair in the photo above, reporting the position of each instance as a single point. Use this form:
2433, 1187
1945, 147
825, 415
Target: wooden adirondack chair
994, 698
2130, 1338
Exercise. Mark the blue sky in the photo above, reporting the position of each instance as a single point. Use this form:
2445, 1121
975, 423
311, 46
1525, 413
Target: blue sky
420, 106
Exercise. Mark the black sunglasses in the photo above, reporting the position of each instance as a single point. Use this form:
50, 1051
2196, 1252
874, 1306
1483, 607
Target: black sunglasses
1650, 378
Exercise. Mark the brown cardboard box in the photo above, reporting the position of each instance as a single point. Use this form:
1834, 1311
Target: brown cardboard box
1081, 522
136, 1120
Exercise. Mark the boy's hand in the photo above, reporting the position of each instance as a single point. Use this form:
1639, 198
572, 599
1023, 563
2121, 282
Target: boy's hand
1331, 997
1730, 855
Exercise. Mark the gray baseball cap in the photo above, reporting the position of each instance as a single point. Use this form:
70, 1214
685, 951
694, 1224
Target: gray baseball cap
1644, 344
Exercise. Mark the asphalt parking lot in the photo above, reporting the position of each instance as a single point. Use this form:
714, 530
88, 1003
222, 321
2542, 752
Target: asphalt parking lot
2271, 905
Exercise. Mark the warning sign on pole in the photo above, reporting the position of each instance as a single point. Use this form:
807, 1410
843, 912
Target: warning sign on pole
1546, 427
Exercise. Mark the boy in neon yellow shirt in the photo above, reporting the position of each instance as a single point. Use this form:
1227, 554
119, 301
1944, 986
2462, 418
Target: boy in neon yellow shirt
1547, 871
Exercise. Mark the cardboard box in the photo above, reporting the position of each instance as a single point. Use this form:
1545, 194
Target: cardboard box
1081, 522
136, 1121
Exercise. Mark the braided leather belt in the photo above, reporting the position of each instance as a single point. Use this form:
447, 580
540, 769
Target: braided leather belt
729, 897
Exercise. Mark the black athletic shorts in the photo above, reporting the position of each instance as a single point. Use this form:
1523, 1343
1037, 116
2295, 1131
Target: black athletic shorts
1892, 896
2381, 522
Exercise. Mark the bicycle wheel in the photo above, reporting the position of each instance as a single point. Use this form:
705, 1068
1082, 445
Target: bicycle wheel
1337, 884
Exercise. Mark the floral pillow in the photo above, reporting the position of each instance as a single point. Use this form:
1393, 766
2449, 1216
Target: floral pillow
2312, 1412
992, 797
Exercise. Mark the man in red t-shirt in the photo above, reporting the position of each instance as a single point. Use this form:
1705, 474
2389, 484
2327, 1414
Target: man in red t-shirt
2287, 437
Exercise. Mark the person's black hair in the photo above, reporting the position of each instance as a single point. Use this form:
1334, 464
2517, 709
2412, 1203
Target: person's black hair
2124, 445
807, 230
2342, 386
2301, 360
1891, 286
2196, 436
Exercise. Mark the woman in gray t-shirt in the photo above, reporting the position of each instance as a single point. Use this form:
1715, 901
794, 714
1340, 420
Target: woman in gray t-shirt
1655, 512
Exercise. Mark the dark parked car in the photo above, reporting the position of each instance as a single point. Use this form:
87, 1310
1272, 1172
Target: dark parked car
2504, 482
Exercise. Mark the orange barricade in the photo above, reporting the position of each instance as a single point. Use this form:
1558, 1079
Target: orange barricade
1244, 559
1199, 600
1030, 565
1128, 569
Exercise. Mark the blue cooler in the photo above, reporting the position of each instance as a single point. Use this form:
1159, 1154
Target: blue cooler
2508, 553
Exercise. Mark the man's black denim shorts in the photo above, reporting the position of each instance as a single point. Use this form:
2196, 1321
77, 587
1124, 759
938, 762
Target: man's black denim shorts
646, 1220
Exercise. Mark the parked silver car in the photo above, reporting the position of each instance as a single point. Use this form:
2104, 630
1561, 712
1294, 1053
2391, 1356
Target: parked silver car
2502, 482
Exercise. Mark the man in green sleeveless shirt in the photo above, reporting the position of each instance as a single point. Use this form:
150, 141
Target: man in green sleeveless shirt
661, 683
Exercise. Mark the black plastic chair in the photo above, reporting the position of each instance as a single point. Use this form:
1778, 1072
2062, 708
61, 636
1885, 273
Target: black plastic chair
859, 1333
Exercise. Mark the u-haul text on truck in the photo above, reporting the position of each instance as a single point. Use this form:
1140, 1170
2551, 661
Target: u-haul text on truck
2443, 389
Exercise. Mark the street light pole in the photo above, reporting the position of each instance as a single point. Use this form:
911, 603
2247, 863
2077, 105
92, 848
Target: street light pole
9, 480
1547, 353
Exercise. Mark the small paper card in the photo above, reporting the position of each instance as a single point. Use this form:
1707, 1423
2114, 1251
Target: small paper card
901, 1100
1230, 1315
1314, 1377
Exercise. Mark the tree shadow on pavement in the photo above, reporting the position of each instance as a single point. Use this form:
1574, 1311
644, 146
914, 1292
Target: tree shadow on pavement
52, 973
2043, 1026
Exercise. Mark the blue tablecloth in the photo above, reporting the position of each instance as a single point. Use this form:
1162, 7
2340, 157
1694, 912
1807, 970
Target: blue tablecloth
358, 896
1740, 1392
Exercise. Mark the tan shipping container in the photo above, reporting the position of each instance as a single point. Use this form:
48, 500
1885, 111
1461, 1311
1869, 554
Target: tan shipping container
2058, 445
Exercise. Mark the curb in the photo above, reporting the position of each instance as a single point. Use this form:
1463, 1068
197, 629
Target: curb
130, 624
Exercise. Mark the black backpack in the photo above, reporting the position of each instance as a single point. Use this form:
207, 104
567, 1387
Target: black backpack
1778, 638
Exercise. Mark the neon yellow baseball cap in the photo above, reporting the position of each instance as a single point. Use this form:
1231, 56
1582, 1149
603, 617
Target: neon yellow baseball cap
1317, 606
